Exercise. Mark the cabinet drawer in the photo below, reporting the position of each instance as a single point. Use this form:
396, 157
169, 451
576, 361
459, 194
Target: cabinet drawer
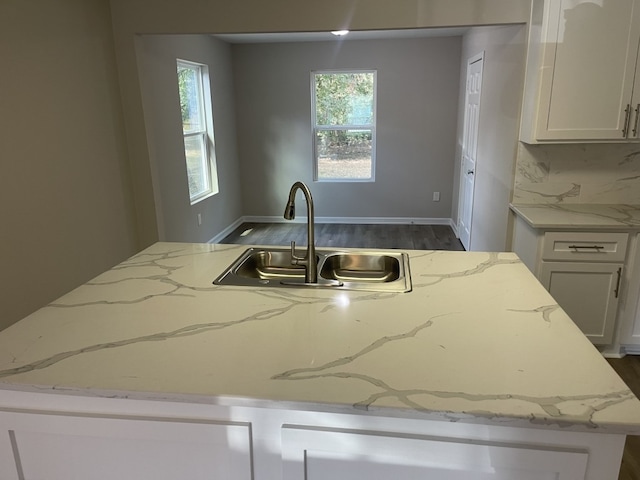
585, 246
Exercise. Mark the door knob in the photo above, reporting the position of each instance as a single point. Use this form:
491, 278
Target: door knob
470, 172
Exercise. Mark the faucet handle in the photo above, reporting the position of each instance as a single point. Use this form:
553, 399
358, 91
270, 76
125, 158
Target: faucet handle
294, 258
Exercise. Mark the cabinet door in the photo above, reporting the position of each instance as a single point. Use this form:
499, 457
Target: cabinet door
329, 454
588, 292
588, 67
60, 447
634, 120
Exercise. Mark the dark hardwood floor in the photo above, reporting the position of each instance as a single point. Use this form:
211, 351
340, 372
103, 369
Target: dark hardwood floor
409, 237
414, 237
629, 370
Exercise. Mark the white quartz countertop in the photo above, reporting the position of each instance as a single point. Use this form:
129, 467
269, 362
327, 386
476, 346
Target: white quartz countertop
580, 216
477, 340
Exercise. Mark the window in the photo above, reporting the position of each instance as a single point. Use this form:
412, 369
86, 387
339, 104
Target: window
344, 113
197, 129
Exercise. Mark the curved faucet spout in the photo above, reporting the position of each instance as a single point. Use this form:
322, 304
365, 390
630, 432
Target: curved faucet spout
310, 260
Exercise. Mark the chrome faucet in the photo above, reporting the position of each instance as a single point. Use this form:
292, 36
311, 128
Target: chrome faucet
310, 260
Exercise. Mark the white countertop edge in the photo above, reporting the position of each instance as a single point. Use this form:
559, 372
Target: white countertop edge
473, 418
571, 220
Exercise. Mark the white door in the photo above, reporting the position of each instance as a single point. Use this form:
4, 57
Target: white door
469, 148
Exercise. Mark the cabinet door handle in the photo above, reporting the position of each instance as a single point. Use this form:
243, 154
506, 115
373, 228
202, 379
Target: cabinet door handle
590, 247
634, 132
616, 292
627, 117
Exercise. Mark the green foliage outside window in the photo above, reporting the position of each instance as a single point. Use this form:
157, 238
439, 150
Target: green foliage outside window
185, 85
189, 89
344, 99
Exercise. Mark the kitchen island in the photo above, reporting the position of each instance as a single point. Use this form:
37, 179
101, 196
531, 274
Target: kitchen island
475, 373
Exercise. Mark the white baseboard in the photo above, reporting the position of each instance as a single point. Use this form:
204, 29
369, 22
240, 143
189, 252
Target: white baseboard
227, 230
355, 220
614, 354
335, 220
631, 349
454, 227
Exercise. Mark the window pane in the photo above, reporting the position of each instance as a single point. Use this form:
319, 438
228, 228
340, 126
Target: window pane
197, 168
190, 99
344, 98
344, 154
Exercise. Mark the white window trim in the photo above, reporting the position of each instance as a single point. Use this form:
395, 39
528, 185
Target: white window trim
315, 128
207, 133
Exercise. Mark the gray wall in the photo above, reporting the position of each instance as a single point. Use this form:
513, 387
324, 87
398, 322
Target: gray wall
65, 198
502, 87
65, 193
131, 17
417, 95
176, 217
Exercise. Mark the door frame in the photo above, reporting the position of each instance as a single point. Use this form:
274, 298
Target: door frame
479, 57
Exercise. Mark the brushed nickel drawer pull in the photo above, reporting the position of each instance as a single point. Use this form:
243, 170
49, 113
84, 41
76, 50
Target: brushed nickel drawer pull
590, 247
617, 290
627, 117
635, 123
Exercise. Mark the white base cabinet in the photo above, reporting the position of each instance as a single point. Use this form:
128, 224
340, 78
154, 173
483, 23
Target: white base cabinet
629, 331
70, 437
588, 292
66, 447
353, 455
583, 271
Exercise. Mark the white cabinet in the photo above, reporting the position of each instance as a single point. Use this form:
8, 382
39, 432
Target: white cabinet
629, 336
327, 454
583, 271
63, 447
581, 68
70, 437
588, 293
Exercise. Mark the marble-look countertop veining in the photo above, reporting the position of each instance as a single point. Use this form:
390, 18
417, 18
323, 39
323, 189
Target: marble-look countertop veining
477, 340
575, 216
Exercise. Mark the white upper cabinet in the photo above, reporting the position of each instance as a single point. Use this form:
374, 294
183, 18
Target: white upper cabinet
581, 70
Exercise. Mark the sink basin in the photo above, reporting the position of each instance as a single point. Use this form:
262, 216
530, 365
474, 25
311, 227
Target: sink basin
268, 265
368, 271
262, 267
361, 267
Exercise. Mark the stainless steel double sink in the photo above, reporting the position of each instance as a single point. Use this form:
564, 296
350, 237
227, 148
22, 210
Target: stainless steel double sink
349, 270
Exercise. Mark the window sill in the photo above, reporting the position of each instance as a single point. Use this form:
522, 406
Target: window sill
203, 197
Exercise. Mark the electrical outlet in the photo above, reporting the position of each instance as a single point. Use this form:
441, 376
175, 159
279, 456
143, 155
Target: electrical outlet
199, 219
436, 196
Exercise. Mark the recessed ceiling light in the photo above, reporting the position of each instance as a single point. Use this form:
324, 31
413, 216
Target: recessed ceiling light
339, 33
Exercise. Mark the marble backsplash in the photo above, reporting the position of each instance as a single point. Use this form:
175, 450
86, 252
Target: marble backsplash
577, 173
